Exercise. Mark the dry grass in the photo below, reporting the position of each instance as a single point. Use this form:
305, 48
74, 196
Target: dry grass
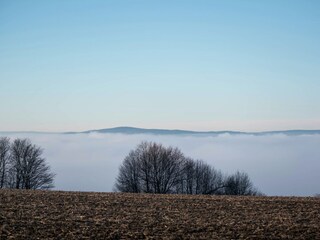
75, 215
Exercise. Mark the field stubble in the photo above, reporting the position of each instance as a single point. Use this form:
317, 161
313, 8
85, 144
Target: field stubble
84, 215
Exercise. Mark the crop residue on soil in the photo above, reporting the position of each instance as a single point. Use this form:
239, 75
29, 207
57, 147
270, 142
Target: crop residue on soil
73, 215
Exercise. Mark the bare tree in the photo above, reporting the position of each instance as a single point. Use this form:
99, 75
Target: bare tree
207, 180
28, 169
153, 168
145, 167
166, 167
150, 168
200, 178
240, 184
4, 160
188, 177
129, 177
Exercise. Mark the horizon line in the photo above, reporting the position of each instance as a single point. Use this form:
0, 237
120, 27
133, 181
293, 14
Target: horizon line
157, 129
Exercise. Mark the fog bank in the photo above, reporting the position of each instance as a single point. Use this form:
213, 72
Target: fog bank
277, 164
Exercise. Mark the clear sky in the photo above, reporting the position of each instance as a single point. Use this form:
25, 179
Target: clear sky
202, 65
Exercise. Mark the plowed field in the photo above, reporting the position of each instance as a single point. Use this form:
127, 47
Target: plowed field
82, 215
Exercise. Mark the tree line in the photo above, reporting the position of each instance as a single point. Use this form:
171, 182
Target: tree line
153, 168
150, 168
22, 165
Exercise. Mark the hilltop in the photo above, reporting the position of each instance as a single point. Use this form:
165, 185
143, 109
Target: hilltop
133, 130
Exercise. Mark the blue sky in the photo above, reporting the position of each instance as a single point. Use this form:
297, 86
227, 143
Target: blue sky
202, 65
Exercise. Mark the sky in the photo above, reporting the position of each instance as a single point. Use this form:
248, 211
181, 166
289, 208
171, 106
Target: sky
200, 65
278, 165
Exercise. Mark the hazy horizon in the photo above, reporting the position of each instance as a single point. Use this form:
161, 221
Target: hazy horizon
143, 128
277, 164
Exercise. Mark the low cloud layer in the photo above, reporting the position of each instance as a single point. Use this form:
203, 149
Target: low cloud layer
277, 164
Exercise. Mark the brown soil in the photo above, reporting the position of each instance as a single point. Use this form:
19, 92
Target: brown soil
83, 215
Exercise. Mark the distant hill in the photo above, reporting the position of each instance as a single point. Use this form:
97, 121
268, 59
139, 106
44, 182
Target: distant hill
133, 130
